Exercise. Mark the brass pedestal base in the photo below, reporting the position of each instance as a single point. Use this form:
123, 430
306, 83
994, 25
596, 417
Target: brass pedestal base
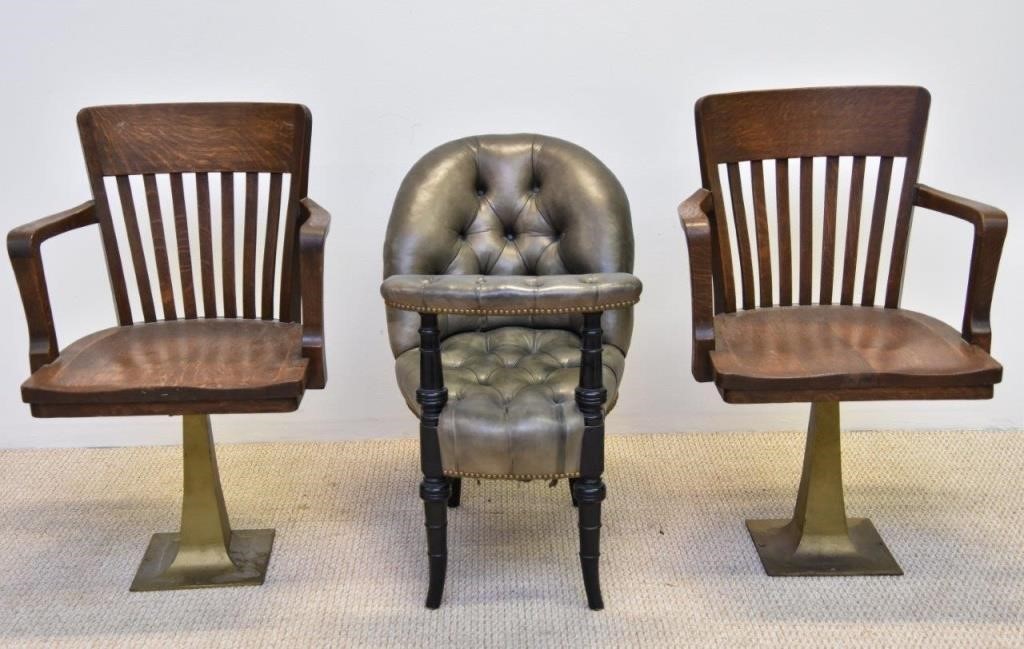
785, 553
248, 556
206, 553
819, 540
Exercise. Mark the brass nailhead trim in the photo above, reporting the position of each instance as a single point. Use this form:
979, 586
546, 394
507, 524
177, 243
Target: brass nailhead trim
569, 309
495, 476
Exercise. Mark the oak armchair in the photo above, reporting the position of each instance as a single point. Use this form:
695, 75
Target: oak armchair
507, 280
770, 341
225, 335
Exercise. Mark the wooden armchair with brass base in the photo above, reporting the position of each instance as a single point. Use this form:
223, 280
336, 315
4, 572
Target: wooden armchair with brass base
198, 349
774, 342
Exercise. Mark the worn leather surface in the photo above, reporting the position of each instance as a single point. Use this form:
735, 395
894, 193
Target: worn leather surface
511, 294
508, 205
511, 409
502, 207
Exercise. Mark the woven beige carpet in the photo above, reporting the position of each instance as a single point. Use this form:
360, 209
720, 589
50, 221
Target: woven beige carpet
349, 564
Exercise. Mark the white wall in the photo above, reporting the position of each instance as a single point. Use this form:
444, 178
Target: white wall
387, 81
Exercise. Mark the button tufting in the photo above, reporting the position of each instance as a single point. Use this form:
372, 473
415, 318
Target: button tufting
510, 235
509, 386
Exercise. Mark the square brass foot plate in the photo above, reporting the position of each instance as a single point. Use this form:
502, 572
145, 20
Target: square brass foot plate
249, 551
776, 546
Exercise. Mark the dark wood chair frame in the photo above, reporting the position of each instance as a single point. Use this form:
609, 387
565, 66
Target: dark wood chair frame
806, 123
121, 141
439, 491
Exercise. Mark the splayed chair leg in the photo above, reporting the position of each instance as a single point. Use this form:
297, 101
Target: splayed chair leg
435, 490
590, 492
588, 489
206, 552
435, 493
820, 539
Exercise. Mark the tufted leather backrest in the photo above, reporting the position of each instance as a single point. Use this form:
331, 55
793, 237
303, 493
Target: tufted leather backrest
508, 205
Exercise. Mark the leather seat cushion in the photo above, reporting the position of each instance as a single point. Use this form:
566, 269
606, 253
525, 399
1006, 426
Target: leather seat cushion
511, 410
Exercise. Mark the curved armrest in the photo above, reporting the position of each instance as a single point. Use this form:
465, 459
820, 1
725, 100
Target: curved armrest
511, 294
989, 232
23, 247
312, 237
693, 215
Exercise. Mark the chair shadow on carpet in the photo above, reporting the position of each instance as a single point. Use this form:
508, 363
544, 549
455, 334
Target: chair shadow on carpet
350, 544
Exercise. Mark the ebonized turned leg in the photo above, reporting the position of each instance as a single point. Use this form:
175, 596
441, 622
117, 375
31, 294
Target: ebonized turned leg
572, 492
435, 493
435, 490
456, 498
588, 490
589, 493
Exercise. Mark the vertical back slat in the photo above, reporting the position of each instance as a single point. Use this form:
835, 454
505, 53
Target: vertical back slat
806, 228
188, 287
270, 249
249, 246
131, 226
227, 239
724, 250
739, 216
206, 245
291, 298
764, 250
115, 269
853, 230
288, 310
156, 227
828, 230
784, 232
877, 226
901, 235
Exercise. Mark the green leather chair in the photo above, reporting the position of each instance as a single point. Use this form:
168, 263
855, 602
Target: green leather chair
515, 251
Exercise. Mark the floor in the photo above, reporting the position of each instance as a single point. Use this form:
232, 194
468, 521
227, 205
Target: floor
349, 564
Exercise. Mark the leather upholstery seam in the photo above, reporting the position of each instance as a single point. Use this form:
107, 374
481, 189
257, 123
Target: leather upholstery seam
485, 311
501, 476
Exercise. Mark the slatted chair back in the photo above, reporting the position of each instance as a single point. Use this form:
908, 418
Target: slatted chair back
784, 135
252, 150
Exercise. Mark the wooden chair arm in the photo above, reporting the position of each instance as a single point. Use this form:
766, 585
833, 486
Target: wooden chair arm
312, 237
989, 233
23, 247
693, 215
